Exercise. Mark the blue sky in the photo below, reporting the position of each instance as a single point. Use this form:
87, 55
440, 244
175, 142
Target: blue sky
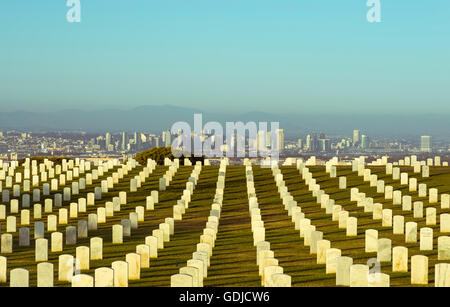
304, 56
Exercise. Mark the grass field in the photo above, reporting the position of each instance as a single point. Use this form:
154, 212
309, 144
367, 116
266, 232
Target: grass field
233, 262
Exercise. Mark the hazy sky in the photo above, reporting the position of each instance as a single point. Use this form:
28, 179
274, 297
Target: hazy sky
239, 55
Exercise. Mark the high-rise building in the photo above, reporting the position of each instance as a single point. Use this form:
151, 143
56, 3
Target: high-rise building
364, 141
314, 143
280, 140
355, 137
308, 142
167, 138
324, 145
261, 139
124, 141
138, 141
232, 146
425, 143
107, 140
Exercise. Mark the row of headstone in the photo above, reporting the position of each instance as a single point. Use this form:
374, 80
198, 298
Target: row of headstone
272, 274
180, 208
405, 200
164, 182
33, 170
46, 186
386, 216
352, 275
196, 269
399, 254
410, 161
345, 221
331, 257
52, 219
347, 274
48, 202
69, 269
83, 226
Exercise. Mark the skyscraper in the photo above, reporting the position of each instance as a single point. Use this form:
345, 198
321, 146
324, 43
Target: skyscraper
124, 141
167, 138
107, 140
233, 143
355, 137
324, 145
425, 143
364, 141
280, 140
308, 142
137, 141
314, 143
261, 141
269, 138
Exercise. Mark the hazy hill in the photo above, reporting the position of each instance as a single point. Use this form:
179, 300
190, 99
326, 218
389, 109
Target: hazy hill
158, 118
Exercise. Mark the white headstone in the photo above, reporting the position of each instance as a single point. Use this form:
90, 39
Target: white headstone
400, 259
359, 275
419, 270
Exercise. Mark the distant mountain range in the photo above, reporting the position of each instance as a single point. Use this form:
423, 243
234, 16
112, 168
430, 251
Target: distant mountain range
158, 118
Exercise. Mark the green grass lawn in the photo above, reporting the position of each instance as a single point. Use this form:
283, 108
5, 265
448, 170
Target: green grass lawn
234, 257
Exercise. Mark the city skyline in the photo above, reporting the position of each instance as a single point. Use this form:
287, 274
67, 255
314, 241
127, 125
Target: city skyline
14, 145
